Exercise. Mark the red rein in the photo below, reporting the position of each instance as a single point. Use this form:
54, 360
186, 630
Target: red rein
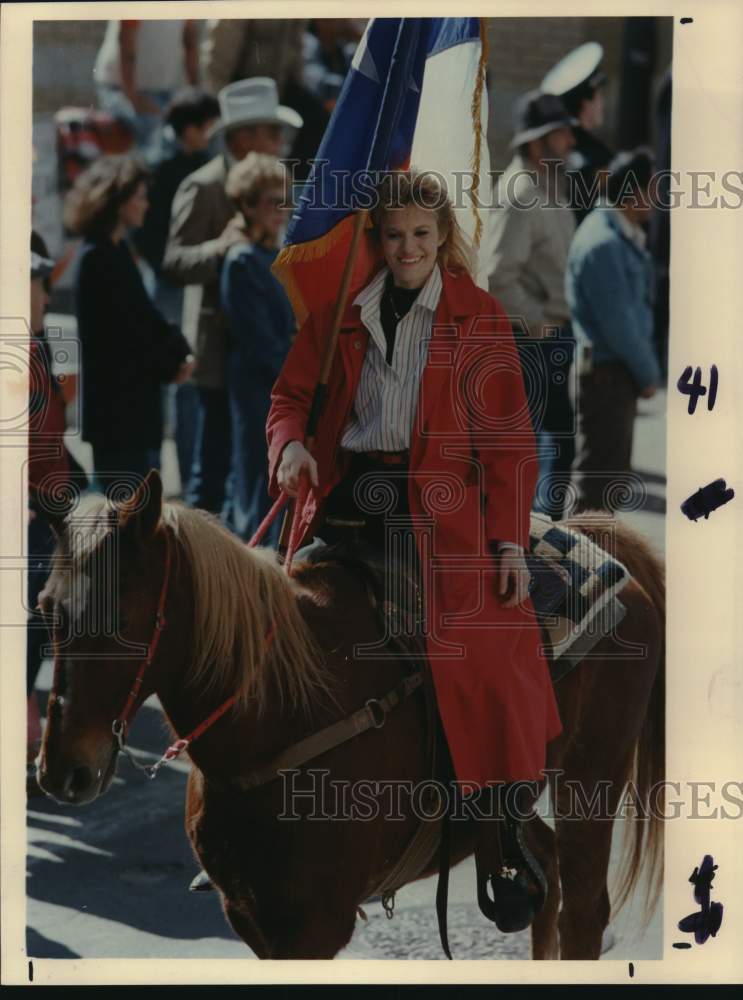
121, 723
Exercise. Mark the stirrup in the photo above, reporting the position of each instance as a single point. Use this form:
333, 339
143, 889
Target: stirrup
514, 903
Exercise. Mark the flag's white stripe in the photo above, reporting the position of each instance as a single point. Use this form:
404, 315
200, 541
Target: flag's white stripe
444, 136
362, 59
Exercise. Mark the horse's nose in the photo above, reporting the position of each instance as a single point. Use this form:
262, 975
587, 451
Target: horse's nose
77, 783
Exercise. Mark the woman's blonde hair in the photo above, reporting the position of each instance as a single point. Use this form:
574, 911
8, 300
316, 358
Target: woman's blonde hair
92, 206
246, 183
249, 178
427, 190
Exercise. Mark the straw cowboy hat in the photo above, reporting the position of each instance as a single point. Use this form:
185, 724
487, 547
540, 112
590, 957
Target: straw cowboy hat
253, 102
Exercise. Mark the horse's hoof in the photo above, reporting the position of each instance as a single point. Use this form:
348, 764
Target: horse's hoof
201, 883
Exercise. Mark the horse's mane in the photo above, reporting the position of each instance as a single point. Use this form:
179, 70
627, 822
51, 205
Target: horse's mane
240, 596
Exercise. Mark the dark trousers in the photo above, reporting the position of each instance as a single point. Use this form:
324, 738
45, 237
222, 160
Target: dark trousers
125, 465
186, 417
249, 502
606, 420
369, 509
212, 457
546, 365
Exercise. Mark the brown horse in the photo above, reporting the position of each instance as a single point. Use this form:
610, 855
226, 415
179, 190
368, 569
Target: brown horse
292, 868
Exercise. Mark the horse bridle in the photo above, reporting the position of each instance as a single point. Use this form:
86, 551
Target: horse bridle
121, 722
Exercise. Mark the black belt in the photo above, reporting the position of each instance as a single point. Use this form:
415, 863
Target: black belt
388, 457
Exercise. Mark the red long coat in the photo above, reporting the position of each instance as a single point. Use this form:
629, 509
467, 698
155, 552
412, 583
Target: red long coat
472, 476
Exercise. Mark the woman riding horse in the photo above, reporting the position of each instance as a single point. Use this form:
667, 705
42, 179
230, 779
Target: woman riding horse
427, 430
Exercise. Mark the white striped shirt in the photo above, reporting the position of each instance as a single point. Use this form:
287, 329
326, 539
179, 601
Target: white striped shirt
387, 396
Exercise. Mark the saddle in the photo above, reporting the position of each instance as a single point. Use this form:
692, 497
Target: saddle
573, 589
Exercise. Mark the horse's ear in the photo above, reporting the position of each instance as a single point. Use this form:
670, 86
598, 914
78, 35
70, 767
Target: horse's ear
141, 513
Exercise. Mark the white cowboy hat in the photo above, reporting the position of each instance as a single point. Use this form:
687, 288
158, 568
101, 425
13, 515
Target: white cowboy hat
252, 102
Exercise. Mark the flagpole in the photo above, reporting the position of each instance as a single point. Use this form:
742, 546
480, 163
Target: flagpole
321, 388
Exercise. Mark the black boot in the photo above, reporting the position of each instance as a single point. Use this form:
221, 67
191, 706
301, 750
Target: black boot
516, 879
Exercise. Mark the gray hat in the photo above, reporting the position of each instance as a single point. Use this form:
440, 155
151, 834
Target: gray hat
254, 102
537, 114
40, 266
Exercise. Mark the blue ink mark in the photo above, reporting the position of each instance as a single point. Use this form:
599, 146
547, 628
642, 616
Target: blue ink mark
705, 922
706, 499
694, 389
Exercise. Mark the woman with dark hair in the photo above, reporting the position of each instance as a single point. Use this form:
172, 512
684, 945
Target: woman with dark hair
128, 349
261, 325
426, 432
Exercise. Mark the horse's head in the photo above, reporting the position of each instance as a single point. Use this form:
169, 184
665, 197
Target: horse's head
100, 601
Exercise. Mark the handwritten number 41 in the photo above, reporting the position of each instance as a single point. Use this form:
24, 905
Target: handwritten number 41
694, 388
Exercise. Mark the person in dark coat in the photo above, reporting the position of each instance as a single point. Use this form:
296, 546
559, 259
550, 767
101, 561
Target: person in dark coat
261, 326
579, 81
191, 114
128, 349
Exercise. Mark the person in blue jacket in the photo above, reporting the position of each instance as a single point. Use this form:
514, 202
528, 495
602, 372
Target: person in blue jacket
261, 327
609, 289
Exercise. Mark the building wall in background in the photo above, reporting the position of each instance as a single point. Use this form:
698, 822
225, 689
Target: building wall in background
63, 57
522, 49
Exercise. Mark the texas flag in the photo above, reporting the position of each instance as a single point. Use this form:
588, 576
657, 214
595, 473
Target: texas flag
415, 96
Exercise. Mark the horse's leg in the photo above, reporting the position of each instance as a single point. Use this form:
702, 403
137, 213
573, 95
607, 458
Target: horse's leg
584, 847
239, 916
245, 927
317, 933
542, 842
606, 700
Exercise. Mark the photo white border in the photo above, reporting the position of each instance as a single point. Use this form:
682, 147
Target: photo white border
705, 580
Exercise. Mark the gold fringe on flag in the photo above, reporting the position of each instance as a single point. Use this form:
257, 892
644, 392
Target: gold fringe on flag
303, 253
477, 125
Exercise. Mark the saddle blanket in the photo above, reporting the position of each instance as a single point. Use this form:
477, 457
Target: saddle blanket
574, 588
